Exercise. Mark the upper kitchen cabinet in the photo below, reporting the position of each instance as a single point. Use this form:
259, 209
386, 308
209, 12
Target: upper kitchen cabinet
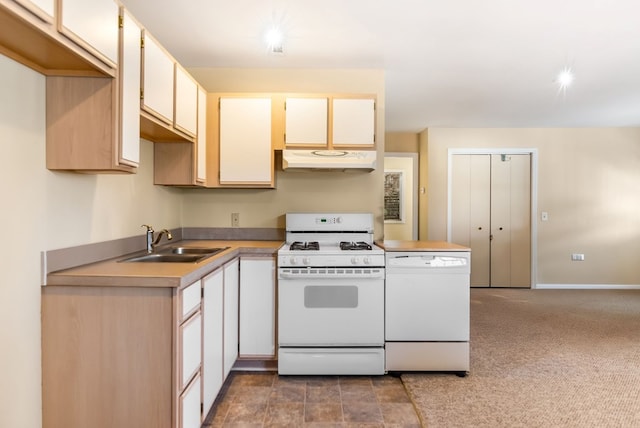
43, 9
184, 163
169, 96
92, 24
354, 122
307, 121
329, 121
93, 122
239, 147
64, 38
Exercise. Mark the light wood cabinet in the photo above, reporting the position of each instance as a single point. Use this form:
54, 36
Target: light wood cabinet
329, 121
43, 9
91, 124
30, 36
169, 102
231, 302
184, 163
239, 141
353, 122
212, 336
92, 24
257, 307
186, 102
190, 410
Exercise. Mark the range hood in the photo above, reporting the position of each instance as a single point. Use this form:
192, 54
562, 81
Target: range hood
329, 160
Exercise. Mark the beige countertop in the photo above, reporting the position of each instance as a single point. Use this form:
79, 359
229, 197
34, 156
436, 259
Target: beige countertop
112, 273
390, 245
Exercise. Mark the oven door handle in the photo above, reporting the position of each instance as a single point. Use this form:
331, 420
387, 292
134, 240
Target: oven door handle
378, 273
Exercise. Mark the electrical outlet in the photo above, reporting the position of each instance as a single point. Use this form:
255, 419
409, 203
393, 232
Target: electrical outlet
544, 216
577, 257
235, 219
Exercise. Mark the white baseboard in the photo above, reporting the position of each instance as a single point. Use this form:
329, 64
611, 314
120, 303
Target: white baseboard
588, 286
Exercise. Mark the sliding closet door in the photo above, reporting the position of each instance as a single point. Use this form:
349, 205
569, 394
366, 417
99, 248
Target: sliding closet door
490, 213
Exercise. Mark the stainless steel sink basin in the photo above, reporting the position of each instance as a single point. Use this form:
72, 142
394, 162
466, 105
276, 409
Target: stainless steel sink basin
196, 250
166, 258
176, 255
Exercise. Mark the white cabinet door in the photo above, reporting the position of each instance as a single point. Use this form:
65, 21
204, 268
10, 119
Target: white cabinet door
212, 336
245, 141
158, 76
190, 416
186, 97
231, 285
92, 24
190, 348
129, 69
257, 306
43, 9
353, 122
306, 121
201, 138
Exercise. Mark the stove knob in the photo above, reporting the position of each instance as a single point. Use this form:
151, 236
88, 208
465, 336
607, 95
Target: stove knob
305, 260
294, 260
354, 260
366, 260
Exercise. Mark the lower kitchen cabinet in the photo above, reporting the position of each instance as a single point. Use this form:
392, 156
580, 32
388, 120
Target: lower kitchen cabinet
213, 336
231, 302
190, 416
257, 307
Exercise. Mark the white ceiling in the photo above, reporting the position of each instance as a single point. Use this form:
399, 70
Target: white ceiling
447, 63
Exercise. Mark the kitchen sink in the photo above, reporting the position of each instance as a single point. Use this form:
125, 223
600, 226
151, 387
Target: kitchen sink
166, 258
176, 255
196, 250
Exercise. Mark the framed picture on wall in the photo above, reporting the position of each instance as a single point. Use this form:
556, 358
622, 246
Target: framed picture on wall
393, 198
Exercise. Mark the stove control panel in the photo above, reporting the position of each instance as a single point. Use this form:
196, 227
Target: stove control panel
329, 220
330, 260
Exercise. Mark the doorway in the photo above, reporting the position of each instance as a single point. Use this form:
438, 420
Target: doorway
490, 211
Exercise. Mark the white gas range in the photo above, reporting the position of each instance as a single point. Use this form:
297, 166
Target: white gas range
330, 296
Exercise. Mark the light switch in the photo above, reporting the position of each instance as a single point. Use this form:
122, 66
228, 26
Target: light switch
544, 216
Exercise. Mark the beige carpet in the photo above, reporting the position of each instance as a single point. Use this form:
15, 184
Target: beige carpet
542, 358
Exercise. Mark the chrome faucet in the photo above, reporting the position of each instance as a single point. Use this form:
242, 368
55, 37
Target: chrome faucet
151, 243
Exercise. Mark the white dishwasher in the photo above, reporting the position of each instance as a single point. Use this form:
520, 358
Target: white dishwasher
427, 311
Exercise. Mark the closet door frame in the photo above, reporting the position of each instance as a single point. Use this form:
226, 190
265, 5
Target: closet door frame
534, 193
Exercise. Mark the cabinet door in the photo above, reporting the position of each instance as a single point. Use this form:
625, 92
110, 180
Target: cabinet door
353, 122
43, 9
93, 24
246, 156
186, 98
157, 80
257, 306
190, 348
306, 121
190, 416
201, 138
212, 326
129, 69
231, 285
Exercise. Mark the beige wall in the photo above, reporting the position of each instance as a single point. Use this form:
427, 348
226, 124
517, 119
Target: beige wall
295, 191
588, 181
43, 210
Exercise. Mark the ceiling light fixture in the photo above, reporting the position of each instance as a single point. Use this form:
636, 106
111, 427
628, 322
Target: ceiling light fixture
275, 40
565, 79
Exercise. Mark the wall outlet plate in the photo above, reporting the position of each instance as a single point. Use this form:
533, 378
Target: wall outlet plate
235, 219
577, 257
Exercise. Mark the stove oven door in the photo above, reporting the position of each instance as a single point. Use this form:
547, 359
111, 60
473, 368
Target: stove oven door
331, 311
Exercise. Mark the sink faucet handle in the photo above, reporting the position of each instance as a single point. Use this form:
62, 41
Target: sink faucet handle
149, 228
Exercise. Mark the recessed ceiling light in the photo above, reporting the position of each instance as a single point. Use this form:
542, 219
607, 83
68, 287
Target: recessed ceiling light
275, 40
565, 79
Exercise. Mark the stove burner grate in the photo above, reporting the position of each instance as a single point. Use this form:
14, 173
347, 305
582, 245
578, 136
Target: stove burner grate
360, 245
305, 246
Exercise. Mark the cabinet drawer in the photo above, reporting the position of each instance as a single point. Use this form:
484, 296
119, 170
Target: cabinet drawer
190, 348
190, 416
189, 300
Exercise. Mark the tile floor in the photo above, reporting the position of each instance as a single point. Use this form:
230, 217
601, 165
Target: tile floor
250, 399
